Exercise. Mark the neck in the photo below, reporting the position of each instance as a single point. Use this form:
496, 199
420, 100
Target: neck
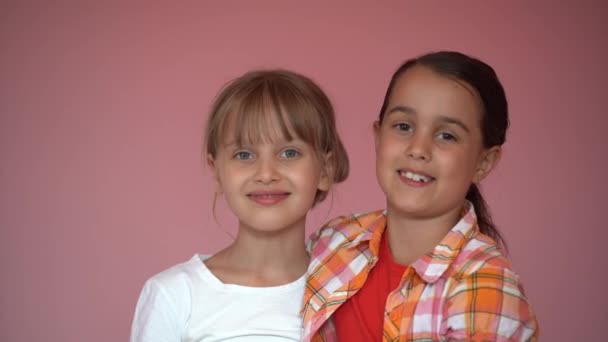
410, 237
277, 256
273, 251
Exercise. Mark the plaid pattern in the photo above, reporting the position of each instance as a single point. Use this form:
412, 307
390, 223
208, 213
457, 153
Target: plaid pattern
463, 290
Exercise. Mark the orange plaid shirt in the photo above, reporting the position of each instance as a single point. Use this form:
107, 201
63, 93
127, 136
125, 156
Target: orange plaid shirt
463, 290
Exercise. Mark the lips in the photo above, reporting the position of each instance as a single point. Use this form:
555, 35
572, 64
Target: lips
268, 197
414, 177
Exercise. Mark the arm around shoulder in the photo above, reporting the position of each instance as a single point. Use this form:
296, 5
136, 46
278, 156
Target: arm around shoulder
489, 305
323, 234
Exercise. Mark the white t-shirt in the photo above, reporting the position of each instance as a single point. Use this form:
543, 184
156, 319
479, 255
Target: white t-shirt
188, 303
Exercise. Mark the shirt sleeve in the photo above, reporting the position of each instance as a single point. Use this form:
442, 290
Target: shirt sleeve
156, 316
489, 305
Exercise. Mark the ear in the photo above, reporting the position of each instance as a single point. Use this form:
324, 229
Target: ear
376, 129
487, 162
327, 172
216, 178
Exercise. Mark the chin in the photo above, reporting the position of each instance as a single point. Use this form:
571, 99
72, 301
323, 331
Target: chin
411, 209
271, 225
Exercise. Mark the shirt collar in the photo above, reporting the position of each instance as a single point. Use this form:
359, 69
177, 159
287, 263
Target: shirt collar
434, 264
374, 225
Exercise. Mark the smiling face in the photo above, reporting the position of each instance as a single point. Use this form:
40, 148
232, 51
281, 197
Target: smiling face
271, 183
429, 145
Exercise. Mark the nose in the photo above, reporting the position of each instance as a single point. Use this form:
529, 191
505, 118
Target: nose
267, 171
419, 147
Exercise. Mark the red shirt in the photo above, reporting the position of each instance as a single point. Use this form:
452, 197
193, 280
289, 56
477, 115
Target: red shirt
361, 317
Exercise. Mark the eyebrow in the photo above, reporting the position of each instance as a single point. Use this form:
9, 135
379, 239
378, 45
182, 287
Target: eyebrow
234, 144
402, 109
442, 118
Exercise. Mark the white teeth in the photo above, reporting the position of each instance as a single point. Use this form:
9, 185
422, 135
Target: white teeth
415, 177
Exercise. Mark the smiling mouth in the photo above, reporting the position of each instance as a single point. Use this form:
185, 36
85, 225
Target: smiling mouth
415, 177
268, 198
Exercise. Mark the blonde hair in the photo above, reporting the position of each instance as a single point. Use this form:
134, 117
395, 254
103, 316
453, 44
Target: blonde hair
250, 104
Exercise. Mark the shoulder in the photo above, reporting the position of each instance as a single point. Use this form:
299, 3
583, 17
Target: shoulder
178, 278
487, 297
173, 286
479, 253
164, 303
341, 234
481, 264
349, 225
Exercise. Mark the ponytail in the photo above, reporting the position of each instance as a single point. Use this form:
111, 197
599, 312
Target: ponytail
484, 219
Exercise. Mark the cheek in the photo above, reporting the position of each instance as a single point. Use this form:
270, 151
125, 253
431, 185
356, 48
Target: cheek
232, 176
303, 172
312, 176
387, 157
386, 146
460, 165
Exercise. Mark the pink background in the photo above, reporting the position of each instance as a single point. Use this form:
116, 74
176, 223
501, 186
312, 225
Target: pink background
102, 108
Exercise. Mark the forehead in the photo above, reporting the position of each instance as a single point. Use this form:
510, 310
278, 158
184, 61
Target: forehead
427, 91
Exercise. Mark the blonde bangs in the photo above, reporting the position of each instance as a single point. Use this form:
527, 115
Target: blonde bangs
268, 112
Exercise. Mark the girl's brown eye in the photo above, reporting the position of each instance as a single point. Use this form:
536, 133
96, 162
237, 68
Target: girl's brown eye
447, 136
402, 126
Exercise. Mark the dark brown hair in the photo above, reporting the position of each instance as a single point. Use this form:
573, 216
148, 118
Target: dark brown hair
495, 116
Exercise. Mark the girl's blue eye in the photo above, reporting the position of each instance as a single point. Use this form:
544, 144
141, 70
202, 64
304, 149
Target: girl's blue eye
290, 153
242, 155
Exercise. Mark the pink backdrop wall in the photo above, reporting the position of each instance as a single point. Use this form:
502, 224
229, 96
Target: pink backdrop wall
102, 107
